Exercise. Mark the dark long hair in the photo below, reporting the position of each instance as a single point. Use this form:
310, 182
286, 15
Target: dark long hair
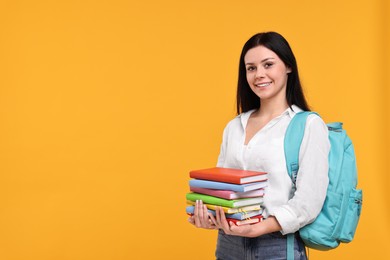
246, 99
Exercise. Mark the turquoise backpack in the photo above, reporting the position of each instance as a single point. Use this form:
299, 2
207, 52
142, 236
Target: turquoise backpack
340, 214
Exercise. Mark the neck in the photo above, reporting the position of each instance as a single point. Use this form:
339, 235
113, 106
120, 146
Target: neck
272, 108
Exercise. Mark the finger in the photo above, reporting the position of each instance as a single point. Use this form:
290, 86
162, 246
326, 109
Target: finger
197, 213
212, 224
203, 216
198, 208
191, 220
205, 212
213, 220
206, 220
220, 215
223, 222
217, 216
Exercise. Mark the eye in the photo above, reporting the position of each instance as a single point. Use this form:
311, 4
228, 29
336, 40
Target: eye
250, 68
268, 65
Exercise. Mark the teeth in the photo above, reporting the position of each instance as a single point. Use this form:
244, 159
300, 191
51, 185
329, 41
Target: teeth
263, 84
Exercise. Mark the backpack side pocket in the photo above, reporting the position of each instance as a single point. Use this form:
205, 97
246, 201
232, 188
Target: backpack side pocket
352, 217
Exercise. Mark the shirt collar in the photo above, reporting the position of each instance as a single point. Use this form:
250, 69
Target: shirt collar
291, 111
244, 117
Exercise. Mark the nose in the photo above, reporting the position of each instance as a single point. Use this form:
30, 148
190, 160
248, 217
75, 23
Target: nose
260, 73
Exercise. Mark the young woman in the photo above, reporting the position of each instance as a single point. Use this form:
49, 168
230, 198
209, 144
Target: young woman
269, 94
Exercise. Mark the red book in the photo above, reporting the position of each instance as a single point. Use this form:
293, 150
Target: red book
228, 175
250, 221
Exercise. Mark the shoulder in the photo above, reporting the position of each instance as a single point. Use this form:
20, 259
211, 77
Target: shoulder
316, 125
313, 119
316, 135
314, 122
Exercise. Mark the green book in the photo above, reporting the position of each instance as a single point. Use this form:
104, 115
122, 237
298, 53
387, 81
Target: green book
223, 202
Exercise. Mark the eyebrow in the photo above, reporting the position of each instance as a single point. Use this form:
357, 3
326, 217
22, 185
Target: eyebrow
270, 58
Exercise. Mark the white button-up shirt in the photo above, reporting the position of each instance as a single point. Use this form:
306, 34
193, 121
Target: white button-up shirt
265, 152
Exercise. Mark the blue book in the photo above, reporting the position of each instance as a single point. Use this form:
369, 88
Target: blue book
227, 186
191, 209
244, 215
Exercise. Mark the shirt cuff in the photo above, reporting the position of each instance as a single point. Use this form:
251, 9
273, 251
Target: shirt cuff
287, 219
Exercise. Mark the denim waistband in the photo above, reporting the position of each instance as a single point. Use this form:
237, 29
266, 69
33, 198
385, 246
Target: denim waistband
263, 247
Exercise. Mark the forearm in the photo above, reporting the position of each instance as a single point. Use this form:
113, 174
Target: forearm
268, 225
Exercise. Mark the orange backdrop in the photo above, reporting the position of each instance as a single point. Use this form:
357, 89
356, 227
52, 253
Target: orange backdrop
106, 105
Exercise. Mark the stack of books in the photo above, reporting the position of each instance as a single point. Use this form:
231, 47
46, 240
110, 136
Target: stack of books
238, 192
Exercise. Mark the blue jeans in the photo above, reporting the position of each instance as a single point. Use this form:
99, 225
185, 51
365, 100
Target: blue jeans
271, 246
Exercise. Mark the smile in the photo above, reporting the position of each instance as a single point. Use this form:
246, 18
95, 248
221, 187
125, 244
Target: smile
266, 84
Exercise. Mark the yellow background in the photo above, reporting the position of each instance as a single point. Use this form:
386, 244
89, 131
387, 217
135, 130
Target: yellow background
106, 105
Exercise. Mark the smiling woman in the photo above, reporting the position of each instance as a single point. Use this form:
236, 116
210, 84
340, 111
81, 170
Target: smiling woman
105, 106
267, 78
269, 94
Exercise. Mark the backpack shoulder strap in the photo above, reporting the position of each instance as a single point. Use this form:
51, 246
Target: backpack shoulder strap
292, 142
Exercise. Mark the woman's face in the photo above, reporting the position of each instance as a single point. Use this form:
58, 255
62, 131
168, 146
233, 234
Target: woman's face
266, 74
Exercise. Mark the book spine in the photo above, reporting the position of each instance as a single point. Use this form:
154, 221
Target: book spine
224, 194
245, 222
210, 199
216, 185
243, 215
228, 210
190, 210
210, 177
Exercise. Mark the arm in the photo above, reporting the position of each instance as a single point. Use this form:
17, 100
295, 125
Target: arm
312, 179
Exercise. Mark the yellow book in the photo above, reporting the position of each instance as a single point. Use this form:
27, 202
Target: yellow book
229, 210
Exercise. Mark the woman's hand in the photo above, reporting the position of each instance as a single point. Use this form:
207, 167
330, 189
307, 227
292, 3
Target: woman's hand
231, 228
202, 218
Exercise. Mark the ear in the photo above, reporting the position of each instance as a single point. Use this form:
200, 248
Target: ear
289, 70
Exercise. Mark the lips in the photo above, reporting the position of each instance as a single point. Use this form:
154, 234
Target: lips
263, 84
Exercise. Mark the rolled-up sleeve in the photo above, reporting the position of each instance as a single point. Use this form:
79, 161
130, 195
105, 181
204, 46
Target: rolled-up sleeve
312, 180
